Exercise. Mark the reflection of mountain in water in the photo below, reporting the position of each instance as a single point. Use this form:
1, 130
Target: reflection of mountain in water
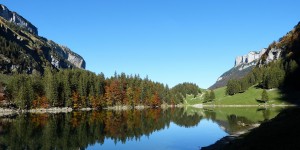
80, 129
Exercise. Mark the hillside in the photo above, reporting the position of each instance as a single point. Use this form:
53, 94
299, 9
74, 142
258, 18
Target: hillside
247, 98
277, 68
22, 50
242, 66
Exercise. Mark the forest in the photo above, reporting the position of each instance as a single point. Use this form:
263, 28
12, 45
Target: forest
77, 88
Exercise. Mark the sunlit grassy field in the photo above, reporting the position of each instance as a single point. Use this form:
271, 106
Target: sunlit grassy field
247, 98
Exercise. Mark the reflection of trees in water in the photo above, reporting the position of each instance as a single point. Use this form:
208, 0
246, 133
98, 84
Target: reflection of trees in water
238, 123
233, 123
210, 114
79, 129
266, 113
181, 118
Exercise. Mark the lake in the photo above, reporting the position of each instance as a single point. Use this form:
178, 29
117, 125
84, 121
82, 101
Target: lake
173, 128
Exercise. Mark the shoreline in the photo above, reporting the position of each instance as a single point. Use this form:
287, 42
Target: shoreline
8, 111
265, 105
53, 110
238, 105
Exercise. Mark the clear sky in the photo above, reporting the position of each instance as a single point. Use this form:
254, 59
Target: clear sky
171, 41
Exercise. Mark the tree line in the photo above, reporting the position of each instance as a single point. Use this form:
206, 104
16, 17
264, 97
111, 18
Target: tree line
78, 88
270, 76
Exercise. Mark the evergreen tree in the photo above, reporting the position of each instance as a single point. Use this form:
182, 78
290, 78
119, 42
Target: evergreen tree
206, 97
244, 85
264, 96
50, 83
67, 89
293, 66
212, 95
233, 87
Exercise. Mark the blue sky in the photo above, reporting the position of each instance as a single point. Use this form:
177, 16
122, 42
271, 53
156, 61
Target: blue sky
171, 41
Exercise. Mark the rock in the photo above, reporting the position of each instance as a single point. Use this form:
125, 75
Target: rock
17, 19
67, 54
273, 54
249, 58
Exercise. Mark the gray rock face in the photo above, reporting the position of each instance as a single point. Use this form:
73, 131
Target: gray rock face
67, 54
249, 58
17, 19
273, 54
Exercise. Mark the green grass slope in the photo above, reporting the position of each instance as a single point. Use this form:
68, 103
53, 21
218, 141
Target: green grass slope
247, 98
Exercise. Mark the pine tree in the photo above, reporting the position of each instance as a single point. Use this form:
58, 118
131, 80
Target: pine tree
233, 87
264, 96
206, 97
50, 83
212, 95
67, 89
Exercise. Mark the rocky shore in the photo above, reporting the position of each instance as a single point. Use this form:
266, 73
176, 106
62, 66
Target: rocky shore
8, 112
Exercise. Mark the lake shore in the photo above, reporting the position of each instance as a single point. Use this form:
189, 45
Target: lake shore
259, 105
8, 111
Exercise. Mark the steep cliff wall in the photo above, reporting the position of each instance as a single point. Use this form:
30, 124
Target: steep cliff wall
15, 18
67, 54
249, 58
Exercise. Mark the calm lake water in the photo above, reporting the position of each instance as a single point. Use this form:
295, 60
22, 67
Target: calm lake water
177, 128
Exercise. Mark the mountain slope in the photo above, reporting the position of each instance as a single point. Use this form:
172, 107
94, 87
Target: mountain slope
243, 65
23, 51
286, 49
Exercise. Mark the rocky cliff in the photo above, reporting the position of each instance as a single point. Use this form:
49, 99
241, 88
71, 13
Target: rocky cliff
67, 54
249, 58
22, 50
15, 18
244, 64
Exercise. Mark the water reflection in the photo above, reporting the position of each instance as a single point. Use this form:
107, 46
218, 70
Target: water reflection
78, 130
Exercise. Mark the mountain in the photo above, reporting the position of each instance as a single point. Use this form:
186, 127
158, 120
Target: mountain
242, 66
287, 50
17, 19
22, 50
283, 73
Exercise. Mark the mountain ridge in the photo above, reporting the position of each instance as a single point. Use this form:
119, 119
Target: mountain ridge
22, 50
17, 19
